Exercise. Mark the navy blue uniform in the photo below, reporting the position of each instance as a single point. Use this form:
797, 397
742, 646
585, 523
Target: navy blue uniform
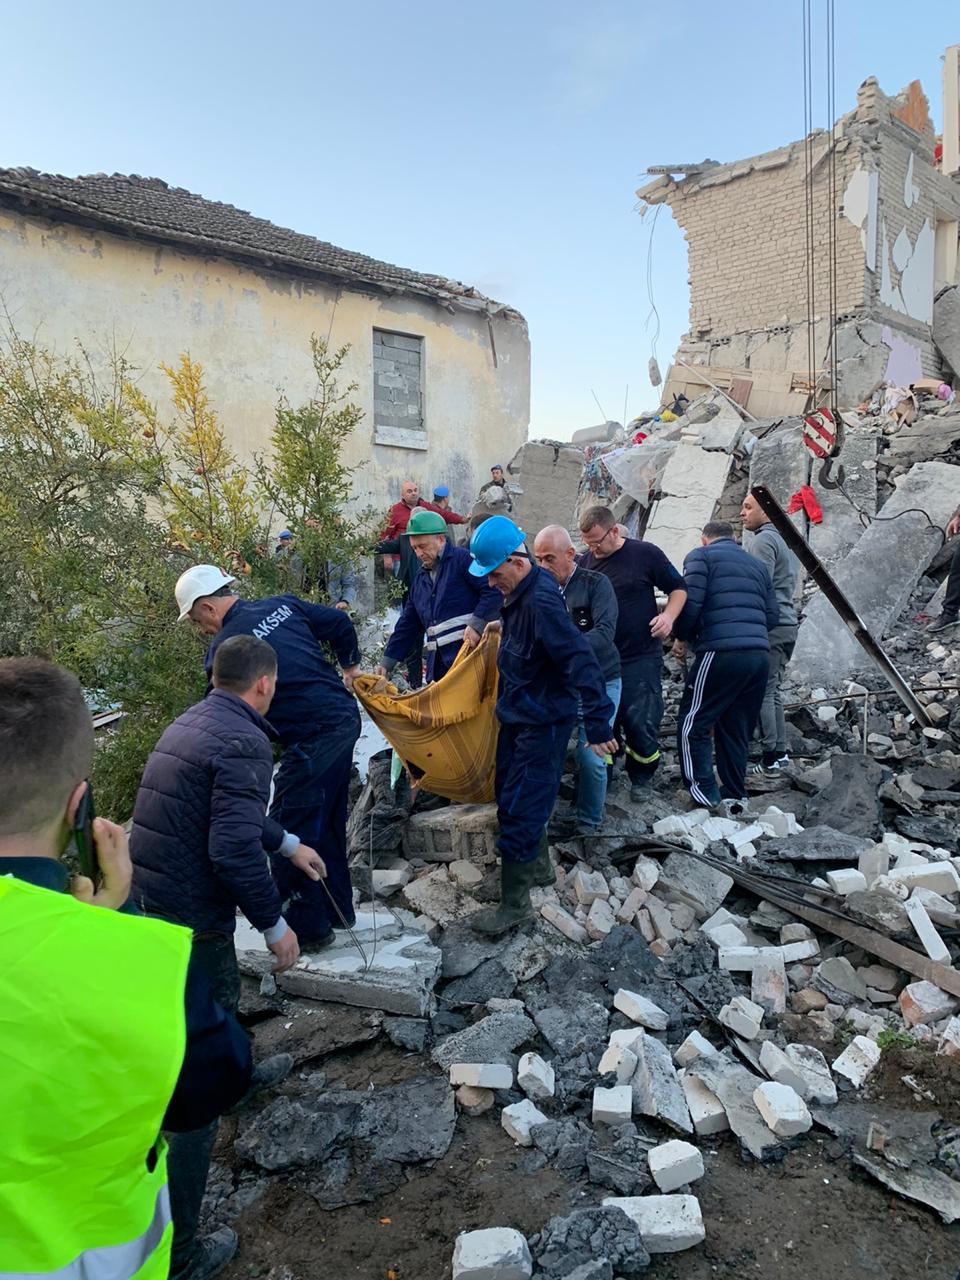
318, 723
443, 602
547, 669
730, 609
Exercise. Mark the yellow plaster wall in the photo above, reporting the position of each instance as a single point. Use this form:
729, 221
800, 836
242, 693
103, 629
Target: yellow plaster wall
250, 329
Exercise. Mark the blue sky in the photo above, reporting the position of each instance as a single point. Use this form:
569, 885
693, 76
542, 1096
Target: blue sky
499, 143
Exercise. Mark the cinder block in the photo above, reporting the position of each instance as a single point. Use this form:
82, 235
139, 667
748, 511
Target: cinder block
924, 1002
668, 1224
519, 1119
564, 922
857, 1061
742, 1016
782, 1108
641, 1010
612, 1106
619, 1060
536, 1077
846, 880
779, 1068
706, 1110
675, 1164
768, 985
474, 1101
695, 1046
940, 876
496, 1253
482, 1075
930, 940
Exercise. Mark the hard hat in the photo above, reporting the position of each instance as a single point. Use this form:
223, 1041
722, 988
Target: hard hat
284, 535
495, 540
422, 521
441, 491
201, 580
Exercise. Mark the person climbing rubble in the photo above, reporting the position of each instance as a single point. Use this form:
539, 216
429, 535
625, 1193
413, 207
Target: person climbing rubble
635, 569
317, 723
770, 549
950, 613
730, 610
545, 666
592, 605
447, 605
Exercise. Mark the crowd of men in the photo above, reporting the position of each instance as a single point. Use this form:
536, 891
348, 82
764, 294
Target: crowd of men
145, 990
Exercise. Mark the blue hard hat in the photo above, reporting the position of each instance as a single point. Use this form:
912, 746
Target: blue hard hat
284, 534
494, 541
441, 491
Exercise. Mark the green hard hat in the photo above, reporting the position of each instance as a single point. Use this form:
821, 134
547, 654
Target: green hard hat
426, 522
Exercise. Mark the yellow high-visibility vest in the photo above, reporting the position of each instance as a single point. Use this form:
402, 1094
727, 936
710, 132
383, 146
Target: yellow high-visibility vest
92, 1038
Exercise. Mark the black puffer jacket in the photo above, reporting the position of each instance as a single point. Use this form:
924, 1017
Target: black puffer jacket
198, 836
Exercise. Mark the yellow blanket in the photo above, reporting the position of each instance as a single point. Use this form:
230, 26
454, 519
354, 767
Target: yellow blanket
445, 733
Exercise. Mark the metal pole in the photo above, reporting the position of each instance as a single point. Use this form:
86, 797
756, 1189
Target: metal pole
849, 616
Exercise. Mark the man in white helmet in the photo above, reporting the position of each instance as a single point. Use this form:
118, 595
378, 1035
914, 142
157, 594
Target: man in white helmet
317, 723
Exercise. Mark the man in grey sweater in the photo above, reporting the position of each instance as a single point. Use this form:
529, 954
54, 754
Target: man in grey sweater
782, 565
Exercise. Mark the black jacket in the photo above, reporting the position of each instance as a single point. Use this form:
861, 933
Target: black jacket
592, 605
197, 840
730, 600
216, 1067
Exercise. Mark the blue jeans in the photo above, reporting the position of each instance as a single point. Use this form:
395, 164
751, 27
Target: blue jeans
592, 769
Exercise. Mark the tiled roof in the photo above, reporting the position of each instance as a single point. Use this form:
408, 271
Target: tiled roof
148, 208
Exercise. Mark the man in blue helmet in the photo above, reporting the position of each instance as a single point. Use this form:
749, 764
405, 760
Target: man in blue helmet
547, 669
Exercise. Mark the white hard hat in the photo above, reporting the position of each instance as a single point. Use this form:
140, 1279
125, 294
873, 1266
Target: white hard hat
201, 580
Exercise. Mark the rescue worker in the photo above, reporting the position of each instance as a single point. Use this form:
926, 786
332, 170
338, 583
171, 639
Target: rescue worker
769, 548
546, 670
109, 1029
730, 609
441, 502
410, 498
317, 724
447, 605
592, 605
635, 568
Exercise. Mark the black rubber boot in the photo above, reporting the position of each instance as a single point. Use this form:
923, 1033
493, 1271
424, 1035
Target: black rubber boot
543, 872
515, 906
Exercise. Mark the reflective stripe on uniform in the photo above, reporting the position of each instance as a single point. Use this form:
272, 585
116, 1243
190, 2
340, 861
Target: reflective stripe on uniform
641, 759
111, 1261
448, 624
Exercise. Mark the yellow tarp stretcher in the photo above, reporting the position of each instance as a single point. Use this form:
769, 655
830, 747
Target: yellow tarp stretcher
445, 733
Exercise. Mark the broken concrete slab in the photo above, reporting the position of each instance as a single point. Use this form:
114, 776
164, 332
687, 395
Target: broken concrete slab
734, 1086
668, 1224
813, 1067
310, 1029
706, 1109
946, 326
656, 1087
850, 801
925, 1184
491, 1039
457, 832
577, 1025
841, 528
495, 1253
572, 1246
780, 462
923, 502
692, 484
437, 896
702, 887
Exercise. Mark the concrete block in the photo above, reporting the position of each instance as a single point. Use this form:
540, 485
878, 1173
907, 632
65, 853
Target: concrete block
873, 863
600, 919
815, 1071
744, 959
482, 1075
702, 887
742, 1017
941, 877
489, 1040
386, 881
467, 874
646, 873
536, 1077
768, 985
940, 909
745, 835
564, 922
619, 1060
612, 1106
706, 1109
668, 1224
695, 1046
856, 1062
726, 935
588, 886
437, 896
675, 1164
780, 1069
641, 1010
631, 905
846, 880
661, 919
922, 1002
474, 1101
656, 1087
460, 831
496, 1253
949, 1043
782, 1108
930, 940
519, 1119
674, 824
825, 649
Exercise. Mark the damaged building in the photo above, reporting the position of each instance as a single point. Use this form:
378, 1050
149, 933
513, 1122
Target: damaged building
896, 235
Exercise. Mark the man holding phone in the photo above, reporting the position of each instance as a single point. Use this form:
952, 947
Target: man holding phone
109, 1032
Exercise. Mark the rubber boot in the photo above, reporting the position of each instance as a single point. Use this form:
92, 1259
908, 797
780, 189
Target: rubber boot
543, 872
515, 906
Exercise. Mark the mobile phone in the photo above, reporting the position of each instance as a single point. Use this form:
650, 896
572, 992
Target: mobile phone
83, 836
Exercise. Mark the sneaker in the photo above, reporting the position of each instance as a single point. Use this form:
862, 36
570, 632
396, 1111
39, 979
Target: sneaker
210, 1255
761, 770
942, 623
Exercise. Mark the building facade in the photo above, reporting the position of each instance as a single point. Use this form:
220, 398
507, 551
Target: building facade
895, 222
130, 264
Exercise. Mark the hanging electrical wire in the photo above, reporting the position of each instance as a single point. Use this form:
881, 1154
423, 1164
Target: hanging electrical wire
808, 197
653, 313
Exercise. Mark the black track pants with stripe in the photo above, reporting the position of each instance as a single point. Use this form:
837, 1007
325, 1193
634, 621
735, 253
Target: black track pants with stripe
722, 698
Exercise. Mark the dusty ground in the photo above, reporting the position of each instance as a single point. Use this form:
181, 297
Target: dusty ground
813, 1217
